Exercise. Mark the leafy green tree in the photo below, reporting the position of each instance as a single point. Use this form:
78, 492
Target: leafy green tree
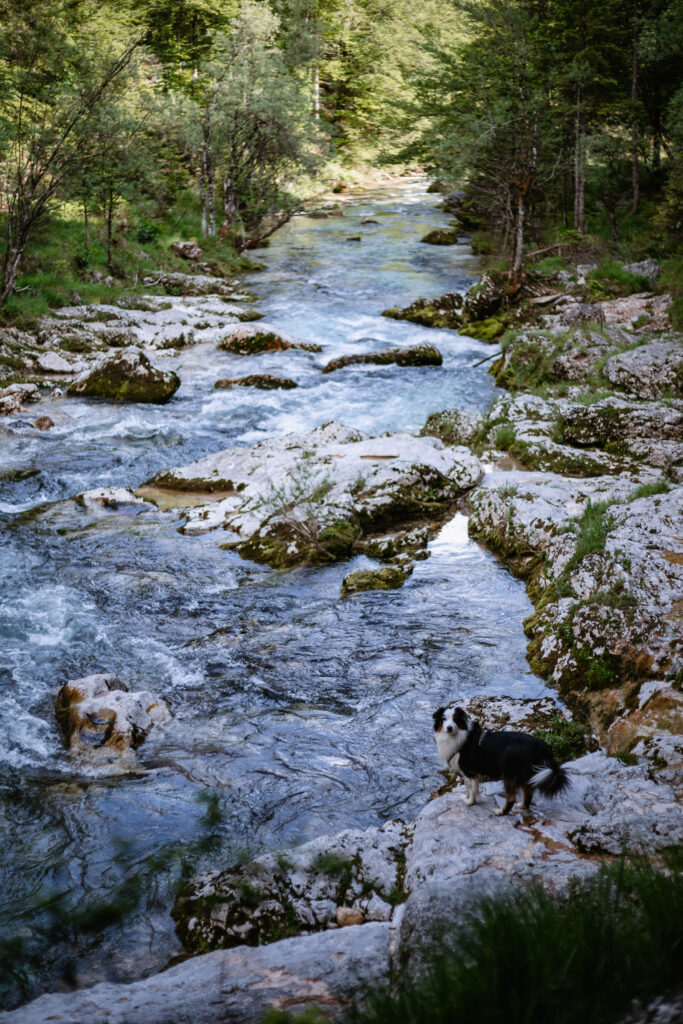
54, 90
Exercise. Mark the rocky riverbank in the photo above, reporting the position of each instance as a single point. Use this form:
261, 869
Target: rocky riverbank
574, 479
321, 924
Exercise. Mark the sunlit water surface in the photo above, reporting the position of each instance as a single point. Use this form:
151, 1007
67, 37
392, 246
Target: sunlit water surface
299, 713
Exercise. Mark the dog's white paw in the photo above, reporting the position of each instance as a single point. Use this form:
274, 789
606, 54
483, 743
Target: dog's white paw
470, 800
500, 811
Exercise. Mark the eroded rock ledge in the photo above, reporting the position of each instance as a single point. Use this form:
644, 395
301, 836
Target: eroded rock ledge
398, 879
322, 496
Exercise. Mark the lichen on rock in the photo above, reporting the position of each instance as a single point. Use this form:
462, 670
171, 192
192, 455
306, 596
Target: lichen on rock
127, 376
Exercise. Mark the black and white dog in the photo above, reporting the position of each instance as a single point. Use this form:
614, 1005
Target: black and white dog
521, 761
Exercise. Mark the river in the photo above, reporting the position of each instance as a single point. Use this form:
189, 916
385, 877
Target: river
295, 713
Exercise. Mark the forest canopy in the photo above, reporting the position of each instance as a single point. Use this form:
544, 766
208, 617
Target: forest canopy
557, 115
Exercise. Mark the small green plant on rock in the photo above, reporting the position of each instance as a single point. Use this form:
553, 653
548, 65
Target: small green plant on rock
566, 738
505, 436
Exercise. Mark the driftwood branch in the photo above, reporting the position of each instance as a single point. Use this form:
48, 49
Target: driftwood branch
253, 241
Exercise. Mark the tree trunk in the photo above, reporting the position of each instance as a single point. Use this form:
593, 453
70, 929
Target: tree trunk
519, 241
657, 151
635, 169
210, 198
10, 270
202, 193
229, 202
86, 224
579, 168
316, 92
110, 225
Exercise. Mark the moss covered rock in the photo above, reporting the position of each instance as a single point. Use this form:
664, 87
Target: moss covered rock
484, 330
252, 340
415, 355
127, 376
390, 577
452, 426
441, 236
443, 311
263, 381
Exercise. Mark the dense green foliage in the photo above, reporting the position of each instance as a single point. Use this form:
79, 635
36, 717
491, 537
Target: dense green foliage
560, 116
121, 118
525, 956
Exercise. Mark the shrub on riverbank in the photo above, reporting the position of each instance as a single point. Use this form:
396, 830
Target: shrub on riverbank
528, 957
60, 270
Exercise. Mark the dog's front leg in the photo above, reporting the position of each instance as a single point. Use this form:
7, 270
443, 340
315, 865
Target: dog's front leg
472, 788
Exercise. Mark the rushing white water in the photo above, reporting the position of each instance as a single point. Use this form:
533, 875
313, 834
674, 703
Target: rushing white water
302, 713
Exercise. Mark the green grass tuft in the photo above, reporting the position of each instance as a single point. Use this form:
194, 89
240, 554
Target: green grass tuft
565, 737
648, 490
526, 957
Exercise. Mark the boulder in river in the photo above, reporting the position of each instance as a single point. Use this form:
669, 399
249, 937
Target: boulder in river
415, 355
264, 381
252, 340
441, 236
98, 711
390, 577
127, 376
310, 497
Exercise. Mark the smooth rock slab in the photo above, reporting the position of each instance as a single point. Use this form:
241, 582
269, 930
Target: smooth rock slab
330, 970
127, 376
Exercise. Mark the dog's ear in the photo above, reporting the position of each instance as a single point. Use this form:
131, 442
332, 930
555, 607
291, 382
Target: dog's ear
438, 718
461, 720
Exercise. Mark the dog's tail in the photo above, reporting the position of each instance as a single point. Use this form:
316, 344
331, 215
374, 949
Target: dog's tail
550, 779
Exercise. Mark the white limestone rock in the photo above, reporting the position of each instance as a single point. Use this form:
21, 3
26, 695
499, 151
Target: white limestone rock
97, 712
310, 497
649, 371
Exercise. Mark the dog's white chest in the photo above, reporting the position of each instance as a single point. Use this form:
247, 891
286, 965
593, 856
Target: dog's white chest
449, 750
